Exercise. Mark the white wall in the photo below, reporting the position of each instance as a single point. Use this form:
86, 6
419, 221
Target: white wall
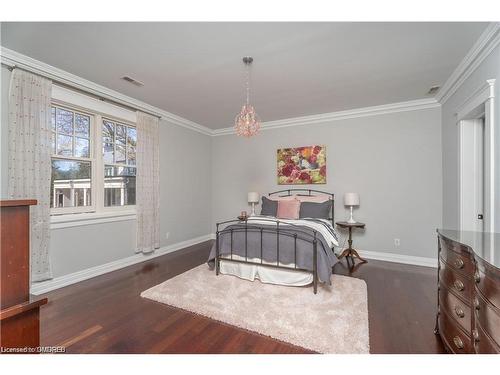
391, 160
184, 201
488, 69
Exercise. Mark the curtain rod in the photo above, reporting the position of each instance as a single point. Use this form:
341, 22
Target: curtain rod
11, 67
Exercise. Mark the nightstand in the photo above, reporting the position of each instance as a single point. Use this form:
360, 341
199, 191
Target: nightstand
350, 252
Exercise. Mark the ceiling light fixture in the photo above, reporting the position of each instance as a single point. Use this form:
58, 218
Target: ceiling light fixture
247, 123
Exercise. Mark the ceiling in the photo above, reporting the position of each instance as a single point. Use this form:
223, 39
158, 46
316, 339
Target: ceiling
194, 70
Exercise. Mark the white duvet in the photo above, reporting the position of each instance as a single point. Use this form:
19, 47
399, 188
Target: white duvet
330, 238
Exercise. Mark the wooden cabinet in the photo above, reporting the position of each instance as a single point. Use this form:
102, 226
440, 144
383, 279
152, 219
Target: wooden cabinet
19, 313
468, 316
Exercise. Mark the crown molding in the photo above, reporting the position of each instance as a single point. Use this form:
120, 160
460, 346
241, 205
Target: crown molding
13, 58
412, 105
486, 43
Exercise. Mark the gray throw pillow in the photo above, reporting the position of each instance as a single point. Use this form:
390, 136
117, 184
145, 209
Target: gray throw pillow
269, 207
316, 210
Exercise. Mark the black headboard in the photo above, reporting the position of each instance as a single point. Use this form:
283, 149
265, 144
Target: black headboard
307, 193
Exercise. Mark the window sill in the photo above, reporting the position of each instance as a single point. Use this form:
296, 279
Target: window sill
90, 218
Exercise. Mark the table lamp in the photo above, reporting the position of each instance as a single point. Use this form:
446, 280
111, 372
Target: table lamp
351, 200
253, 198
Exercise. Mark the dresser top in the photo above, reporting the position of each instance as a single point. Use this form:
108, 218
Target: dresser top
484, 244
17, 202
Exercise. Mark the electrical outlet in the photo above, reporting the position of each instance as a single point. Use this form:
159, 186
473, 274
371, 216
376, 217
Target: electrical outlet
167, 235
397, 242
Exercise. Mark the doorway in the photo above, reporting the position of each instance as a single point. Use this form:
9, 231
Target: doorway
472, 174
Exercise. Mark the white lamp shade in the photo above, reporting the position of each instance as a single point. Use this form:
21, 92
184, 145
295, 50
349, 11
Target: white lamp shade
253, 197
351, 199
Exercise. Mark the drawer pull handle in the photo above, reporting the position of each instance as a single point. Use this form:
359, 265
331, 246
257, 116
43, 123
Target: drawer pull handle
475, 334
477, 277
460, 313
459, 285
476, 303
458, 342
459, 263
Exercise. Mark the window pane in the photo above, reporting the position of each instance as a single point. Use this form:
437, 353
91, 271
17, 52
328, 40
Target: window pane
82, 125
131, 137
108, 131
53, 138
120, 154
119, 185
82, 147
53, 118
64, 145
107, 152
131, 155
64, 121
70, 185
120, 134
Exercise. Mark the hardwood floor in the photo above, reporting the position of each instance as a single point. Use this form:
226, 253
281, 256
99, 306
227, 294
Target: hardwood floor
107, 315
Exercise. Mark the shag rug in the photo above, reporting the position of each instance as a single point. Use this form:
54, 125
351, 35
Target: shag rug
333, 321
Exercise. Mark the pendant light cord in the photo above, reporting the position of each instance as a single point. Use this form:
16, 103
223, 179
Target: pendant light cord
248, 83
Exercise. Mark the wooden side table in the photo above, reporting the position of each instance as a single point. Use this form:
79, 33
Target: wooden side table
350, 252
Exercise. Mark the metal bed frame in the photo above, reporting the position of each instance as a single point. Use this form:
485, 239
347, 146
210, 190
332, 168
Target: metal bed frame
290, 230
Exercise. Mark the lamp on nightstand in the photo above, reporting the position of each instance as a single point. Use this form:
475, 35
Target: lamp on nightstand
351, 200
253, 197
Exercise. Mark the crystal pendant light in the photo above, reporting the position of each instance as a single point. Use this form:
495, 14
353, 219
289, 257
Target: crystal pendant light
247, 123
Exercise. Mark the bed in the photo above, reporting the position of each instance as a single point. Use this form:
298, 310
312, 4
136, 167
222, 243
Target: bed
293, 252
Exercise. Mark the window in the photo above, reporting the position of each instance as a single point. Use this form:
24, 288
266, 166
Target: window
118, 148
93, 162
72, 163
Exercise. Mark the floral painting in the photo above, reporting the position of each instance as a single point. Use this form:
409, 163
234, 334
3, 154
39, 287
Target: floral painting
302, 165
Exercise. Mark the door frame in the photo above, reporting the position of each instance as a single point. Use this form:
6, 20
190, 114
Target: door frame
481, 101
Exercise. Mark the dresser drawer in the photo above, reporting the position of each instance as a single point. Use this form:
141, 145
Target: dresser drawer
453, 336
482, 343
488, 282
488, 317
458, 262
450, 248
460, 284
456, 308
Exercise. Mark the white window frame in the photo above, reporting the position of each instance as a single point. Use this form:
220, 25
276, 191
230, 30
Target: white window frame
91, 159
96, 212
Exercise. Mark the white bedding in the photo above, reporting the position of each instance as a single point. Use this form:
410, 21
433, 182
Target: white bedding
329, 237
265, 274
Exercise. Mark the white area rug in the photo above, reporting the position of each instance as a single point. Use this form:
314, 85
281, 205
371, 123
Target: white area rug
333, 321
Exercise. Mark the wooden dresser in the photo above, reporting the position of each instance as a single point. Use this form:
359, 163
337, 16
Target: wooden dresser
468, 316
19, 312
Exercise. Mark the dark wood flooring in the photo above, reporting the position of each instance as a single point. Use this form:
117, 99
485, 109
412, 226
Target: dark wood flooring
107, 315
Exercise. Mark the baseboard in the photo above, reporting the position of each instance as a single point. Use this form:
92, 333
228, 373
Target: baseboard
399, 258
391, 257
59, 282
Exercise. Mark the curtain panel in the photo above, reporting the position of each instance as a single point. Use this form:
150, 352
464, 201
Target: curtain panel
29, 162
148, 183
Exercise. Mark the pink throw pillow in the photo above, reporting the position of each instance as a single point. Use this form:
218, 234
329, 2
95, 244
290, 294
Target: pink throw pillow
288, 209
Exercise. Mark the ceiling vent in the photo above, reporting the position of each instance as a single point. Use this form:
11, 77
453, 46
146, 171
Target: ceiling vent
133, 81
433, 90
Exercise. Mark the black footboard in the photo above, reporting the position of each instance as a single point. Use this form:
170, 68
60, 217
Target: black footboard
289, 230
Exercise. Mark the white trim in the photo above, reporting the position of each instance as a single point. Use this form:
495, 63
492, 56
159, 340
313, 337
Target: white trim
486, 43
412, 105
391, 257
62, 281
13, 58
480, 96
399, 258
90, 218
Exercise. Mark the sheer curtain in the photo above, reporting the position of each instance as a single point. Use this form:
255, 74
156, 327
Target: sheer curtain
148, 183
29, 160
